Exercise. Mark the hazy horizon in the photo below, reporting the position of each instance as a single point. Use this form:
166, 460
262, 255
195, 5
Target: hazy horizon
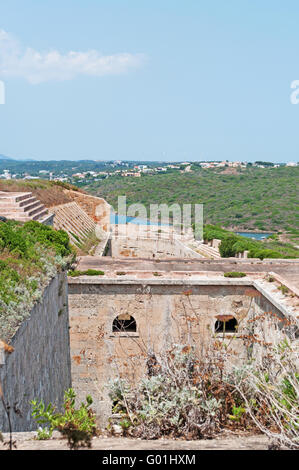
132, 160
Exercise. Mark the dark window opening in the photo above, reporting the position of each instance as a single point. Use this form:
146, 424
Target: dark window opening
229, 326
124, 324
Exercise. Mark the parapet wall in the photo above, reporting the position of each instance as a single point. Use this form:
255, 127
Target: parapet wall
39, 366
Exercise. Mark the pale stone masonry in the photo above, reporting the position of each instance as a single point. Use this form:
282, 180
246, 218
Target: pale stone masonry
39, 365
168, 306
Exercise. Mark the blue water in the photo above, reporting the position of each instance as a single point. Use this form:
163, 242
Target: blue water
255, 236
123, 219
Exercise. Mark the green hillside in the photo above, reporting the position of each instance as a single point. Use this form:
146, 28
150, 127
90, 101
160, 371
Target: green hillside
264, 199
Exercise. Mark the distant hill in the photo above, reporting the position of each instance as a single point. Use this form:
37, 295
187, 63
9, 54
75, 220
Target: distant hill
4, 157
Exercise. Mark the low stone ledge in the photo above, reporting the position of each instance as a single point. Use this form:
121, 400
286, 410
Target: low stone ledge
230, 441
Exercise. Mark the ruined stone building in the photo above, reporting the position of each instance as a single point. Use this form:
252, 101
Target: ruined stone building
149, 293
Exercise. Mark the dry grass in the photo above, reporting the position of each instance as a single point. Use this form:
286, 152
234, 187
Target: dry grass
50, 193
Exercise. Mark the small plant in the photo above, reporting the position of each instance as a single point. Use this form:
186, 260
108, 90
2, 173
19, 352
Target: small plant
43, 434
237, 413
89, 272
270, 279
77, 425
234, 274
283, 289
121, 273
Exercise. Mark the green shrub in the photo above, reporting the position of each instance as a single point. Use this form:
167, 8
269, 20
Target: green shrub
89, 272
94, 272
77, 425
283, 289
234, 274
46, 235
31, 255
226, 247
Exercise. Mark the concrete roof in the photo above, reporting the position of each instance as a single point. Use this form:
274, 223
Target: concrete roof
199, 272
286, 268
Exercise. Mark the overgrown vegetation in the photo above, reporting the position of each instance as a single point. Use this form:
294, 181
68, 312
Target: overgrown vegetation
197, 396
252, 199
30, 255
77, 425
243, 380
88, 245
232, 244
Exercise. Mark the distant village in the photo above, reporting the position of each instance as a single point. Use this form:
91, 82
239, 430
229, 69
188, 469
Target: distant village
128, 169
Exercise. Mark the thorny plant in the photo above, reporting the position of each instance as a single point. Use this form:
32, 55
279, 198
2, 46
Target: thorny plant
196, 392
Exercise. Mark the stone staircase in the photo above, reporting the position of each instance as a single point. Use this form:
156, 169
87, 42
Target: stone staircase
208, 251
22, 207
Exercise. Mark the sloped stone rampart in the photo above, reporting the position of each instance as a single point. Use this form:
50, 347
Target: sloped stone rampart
74, 220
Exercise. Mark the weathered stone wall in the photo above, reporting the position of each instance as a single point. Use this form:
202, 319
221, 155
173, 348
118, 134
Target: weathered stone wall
165, 314
39, 367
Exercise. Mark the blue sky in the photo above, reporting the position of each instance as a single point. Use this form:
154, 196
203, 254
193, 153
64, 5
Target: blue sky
149, 80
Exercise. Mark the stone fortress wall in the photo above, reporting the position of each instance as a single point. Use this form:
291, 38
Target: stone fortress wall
178, 307
39, 366
159, 292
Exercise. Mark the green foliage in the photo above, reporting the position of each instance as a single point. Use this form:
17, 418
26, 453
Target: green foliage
88, 272
77, 425
283, 289
234, 274
232, 244
238, 413
43, 434
213, 231
30, 255
226, 247
266, 199
269, 197
21, 239
47, 236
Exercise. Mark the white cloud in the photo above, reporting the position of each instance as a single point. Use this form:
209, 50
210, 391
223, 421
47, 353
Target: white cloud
37, 67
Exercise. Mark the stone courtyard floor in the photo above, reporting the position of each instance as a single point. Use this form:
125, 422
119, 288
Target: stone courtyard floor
26, 441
